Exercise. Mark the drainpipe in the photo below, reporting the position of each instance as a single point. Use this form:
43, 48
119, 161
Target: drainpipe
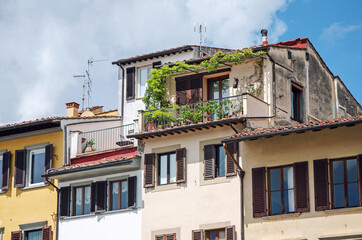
58, 209
241, 174
122, 93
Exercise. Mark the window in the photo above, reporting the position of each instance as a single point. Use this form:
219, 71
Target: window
171, 236
281, 190
33, 235
143, 75
81, 200
118, 194
344, 183
189, 89
219, 88
36, 166
227, 233
167, 168
218, 234
296, 93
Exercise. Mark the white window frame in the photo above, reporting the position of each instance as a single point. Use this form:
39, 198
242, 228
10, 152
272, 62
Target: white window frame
29, 163
1, 176
139, 95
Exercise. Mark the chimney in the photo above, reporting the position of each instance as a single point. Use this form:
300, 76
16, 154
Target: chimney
72, 109
264, 36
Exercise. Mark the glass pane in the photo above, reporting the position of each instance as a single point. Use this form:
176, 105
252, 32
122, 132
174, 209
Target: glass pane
37, 166
338, 172
212, 236
351, 170
1, 170
221, 235
288, 178
78, 201
276, 206
163, 169
124, 195
225, 88
338, 195
214, 90
115, 195
221, 164
87, 195
172, 167
275, 179
289, 201
352, 194
33, 235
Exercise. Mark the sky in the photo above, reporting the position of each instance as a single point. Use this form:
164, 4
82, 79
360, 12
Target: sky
44, 43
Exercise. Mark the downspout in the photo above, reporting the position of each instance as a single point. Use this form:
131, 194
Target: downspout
58, 209
241, 174
122, 93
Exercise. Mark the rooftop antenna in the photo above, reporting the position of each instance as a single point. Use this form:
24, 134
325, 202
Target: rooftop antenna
201, 27
83, 97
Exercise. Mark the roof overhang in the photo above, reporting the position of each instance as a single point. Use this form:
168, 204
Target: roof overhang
29, 127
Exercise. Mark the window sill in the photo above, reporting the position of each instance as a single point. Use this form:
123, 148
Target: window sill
40, 185
343, 210
99, 213
215, 181
166, 187
281, 216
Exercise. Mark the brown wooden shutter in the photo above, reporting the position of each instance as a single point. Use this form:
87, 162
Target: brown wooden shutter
101, 196
48, 159
259, 187
209, 162
181, 165
132, 191
16, 235
46, 233
20, 168
301, 186
181, 92
159, 237
149, 174
230, 165
198, 235
156, 64
130, 72
360, 178
6, 171
171, 236
196, 90
321, 187
93, 197
230, 233
65, 201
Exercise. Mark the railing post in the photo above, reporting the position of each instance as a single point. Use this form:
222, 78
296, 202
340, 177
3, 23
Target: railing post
140, 121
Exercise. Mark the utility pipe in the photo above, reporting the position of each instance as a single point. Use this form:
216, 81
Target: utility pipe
58, 209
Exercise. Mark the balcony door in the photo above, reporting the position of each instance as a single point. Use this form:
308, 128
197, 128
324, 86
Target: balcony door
219, 88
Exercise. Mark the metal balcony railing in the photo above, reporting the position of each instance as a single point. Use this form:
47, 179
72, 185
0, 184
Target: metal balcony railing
109, 138
194, 113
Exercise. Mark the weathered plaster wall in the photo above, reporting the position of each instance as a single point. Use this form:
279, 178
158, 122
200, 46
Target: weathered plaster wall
347, 104
284, 150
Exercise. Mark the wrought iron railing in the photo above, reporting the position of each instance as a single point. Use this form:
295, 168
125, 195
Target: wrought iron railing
108, 138
194, 113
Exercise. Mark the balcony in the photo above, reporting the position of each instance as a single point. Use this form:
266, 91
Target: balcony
201, 114
85, 143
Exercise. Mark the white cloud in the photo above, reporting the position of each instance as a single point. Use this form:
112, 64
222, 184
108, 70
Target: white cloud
44, 43
337, 31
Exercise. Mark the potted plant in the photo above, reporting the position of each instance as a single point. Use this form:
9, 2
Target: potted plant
89, 145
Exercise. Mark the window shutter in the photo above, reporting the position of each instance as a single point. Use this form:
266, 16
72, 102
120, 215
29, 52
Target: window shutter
181, 92
65, 201
230, 233
156, 64
48, 158
321, 187
171, 236
20, 168
196, 90
93, 197
6, 171
197, 235
360, 178
46, 233
181, 165
301, 186
132, 191
16, 235
101, 196
209, 162
230, 165
130, 72
149, 173
159, 237
259, 199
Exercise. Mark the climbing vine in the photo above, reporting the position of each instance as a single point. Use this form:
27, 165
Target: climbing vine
156, 93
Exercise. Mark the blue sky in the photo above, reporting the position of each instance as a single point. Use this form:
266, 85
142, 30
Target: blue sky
44, 43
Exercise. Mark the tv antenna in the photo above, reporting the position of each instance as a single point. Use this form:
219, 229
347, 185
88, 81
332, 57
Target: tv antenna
200, 27
87, 83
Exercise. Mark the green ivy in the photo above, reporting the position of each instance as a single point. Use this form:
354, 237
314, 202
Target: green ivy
156, 96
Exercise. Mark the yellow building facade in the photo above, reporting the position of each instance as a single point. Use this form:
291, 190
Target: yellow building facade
28, 205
